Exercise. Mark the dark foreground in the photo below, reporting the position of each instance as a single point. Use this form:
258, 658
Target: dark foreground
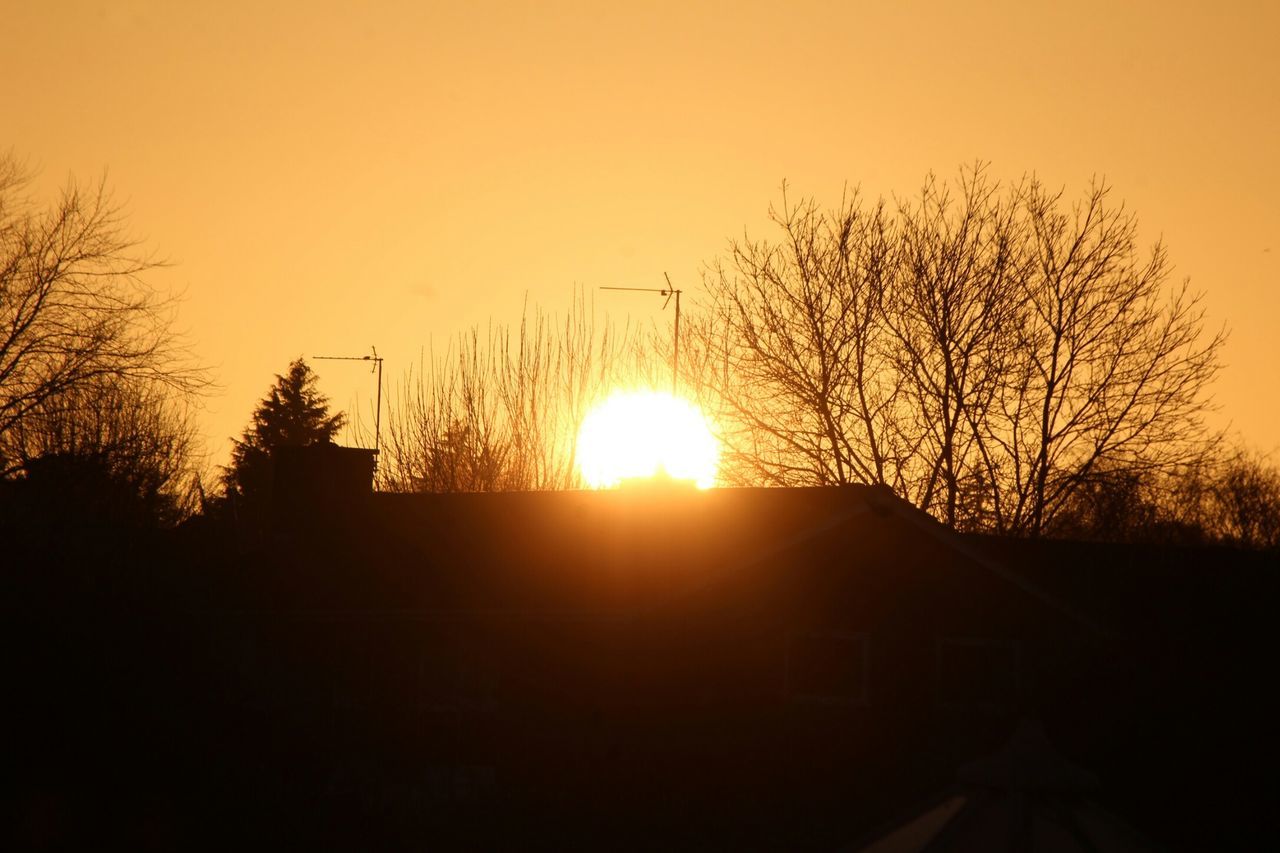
793, 670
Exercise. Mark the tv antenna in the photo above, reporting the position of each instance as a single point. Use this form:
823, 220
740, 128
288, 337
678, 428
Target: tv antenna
376, 365
668, 292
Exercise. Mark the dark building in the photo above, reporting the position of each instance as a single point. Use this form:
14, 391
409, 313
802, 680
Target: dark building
793, 669
775, 667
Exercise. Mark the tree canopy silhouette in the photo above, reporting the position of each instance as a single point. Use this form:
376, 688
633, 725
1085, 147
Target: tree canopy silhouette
75, 312
293, 414
501, 413
114, 450
983, 349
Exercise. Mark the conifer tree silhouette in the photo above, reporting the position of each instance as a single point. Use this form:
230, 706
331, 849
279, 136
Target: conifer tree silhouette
293, 414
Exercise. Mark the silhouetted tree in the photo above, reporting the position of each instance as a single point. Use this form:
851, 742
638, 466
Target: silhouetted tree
1110, 363
984, 350
1246, 503
1233, 498
501, 412
1117, 505
952, 306
74, 309
115, 450
460, 461
791, 351
293, 414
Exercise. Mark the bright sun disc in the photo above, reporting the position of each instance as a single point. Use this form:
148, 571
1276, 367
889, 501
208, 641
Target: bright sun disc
645, 434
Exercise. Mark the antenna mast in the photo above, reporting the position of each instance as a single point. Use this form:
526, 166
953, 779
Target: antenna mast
377, 365
668, 292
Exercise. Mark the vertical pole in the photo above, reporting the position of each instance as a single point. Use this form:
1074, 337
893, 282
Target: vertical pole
377, 360
675, 358
377, 422
675, 355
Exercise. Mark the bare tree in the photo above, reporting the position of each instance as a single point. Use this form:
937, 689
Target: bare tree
1120, 504
115, 448
1229, 497
1111, 365
501, 412
442, 426
953, 307
1246, 503
985, 350
74, 309
791, 355
1232, 498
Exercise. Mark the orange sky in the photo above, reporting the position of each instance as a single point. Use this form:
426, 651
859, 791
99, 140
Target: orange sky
326, 176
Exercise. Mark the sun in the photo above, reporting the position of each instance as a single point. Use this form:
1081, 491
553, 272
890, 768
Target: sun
646, 434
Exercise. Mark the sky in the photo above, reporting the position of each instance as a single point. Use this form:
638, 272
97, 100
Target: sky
326, 177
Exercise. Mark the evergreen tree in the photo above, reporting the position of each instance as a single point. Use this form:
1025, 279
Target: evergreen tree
293, 414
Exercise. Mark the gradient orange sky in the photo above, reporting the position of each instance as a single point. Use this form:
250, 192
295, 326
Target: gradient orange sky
327, 176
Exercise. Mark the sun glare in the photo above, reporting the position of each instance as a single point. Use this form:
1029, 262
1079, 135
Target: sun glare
644, 435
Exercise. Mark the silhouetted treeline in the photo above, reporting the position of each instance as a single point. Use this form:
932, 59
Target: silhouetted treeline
95, 384
986, 350
1006, 359
1231, 498
500, 412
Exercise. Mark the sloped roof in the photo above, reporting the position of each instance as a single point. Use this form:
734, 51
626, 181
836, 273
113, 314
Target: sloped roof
564, 550
576, 551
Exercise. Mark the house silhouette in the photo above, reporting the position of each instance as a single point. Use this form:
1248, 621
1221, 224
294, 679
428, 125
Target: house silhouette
681, 658
794, 669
